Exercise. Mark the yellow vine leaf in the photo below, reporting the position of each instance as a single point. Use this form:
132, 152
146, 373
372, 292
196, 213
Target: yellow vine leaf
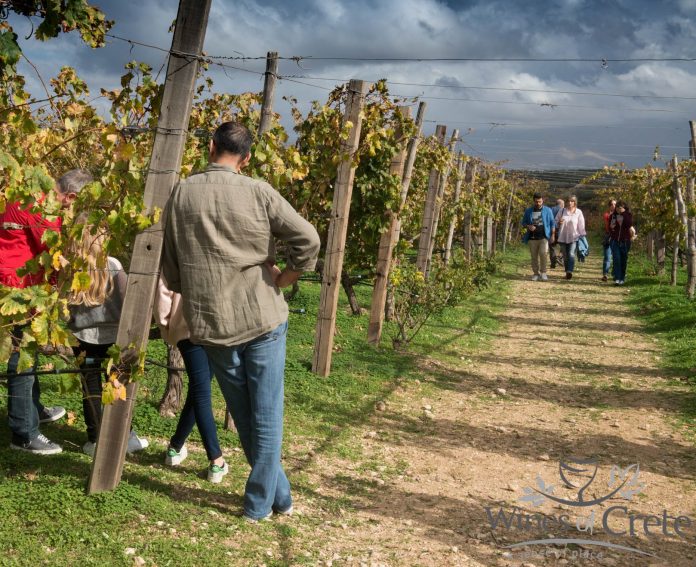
81, 281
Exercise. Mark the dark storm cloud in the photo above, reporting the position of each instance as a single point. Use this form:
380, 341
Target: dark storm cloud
361, 29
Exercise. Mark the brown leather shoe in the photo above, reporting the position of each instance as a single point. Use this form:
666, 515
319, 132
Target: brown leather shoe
569, 275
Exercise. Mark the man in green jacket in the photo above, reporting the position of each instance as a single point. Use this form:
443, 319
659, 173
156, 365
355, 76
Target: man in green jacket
219, 253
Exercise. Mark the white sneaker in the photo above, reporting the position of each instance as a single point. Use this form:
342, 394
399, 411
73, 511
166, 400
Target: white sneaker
216, 472
544, 278
88, 448
173, 458
136, 443
535, 278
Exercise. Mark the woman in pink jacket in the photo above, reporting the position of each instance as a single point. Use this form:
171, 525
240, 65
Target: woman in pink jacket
198, 406
571, 226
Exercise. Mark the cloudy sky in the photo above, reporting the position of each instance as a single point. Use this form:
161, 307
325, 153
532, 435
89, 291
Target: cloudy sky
509, 101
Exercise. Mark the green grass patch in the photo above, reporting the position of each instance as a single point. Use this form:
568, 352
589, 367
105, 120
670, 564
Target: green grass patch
173, 516
670, 317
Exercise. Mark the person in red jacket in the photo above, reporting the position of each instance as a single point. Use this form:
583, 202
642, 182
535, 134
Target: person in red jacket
620, 225
606, 241
21, 232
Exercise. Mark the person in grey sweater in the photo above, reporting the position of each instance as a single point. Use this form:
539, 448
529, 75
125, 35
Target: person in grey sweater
94, 318
219, 253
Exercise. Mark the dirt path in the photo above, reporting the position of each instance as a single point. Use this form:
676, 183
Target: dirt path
569, 374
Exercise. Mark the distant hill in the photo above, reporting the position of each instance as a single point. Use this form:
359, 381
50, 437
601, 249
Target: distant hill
564, 182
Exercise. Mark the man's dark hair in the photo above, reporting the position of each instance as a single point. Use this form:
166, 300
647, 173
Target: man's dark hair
538, 196
232, 138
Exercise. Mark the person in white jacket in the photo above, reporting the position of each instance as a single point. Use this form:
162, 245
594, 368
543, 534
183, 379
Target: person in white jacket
197, 409
571, 227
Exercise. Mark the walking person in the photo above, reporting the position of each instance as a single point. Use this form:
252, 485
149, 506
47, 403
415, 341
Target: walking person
571, 223
621, 234
94, 317
219, 253
553, 244
21, 240
198, 407
540, 224
606, 241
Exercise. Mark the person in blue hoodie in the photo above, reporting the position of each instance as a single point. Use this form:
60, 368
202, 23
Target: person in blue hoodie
541, 229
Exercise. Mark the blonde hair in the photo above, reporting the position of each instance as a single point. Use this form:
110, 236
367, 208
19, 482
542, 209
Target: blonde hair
90, 249
574, 199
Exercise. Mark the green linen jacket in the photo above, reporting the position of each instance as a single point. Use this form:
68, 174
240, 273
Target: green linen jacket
220, 229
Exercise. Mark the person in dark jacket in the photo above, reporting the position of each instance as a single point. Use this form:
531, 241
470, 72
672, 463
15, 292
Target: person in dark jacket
620, 224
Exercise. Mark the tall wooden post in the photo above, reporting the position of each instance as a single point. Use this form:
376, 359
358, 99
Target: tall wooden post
490, 245
650, 245
506, 226
386, 247
461, 170
678, 208
429, 209
470, 180
660, 251
338, 228
268, 92
408, 168
264, 126
691, 220
405, 186
442, 186
136, 317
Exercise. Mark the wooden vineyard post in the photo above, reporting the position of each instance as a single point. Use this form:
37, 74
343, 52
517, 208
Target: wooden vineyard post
268, 92
167, 151
650, 245
405, 185
691, 219
461, 170
386, 246
442, 186
411, 152
660, 251
506, 226
338, 227
680, 216
264, 126
171, 401
481, 242
429, 210
490, 245
469, 179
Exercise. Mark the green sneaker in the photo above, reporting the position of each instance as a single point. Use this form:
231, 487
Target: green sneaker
216, 472
175, 457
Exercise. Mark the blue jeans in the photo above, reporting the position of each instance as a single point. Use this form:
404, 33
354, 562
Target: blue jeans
569, 255
23, 405
607, 260
198, 407
251, 377
619, 251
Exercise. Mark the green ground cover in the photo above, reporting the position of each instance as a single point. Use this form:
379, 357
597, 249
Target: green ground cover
670, 317
174, 516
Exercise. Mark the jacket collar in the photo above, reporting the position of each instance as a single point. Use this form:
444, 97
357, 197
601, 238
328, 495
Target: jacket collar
220, 167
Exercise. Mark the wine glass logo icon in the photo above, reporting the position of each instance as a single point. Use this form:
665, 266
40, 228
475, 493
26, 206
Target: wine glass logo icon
579, 475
